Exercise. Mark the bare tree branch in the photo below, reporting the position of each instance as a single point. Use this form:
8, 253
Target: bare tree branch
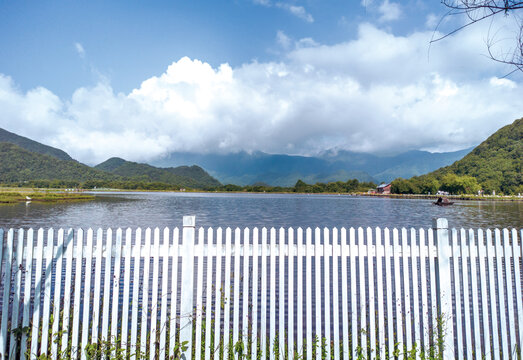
479, 10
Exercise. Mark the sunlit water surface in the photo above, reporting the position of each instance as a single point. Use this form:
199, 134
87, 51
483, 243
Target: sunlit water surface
256, 210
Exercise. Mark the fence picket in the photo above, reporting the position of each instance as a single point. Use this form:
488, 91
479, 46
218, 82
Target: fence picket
472, 253
505, 349
491, 256
218, 297
187, 283
88, 251
433, 285
509, 293
370, 275
154, 298
380, 254
107, 285
414, 252
406, 288
344, 297
165, 292
290, 295
27, 288
7, 288
200, 253
77, 290
117, 250
388, 280
208, 293
272, 296
136, 288
145, 291
327, 253
335, 293
308, 295
255, 334
15, 319
236, 293
39, 252
457, 290
353, 302
174, 291
47, 292
263, 289
97, 286
246, 277
517, 252
317, 285
299, 291
281, 293
483, 266
466, 307
126, 292
400, 340
227, 294
363, 331
424, 297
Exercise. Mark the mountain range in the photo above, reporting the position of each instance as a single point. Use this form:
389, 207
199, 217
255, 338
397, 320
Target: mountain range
26, 160
23, 160
244, 168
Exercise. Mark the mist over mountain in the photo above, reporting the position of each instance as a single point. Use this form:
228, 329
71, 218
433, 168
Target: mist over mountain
244, 168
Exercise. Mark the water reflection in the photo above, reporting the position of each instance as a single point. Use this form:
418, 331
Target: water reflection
250, 210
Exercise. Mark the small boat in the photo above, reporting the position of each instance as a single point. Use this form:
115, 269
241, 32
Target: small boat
443, 202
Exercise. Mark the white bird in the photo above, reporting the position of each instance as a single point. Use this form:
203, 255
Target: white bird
28, 198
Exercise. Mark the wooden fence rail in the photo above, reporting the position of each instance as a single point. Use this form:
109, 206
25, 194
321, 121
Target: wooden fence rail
269, 293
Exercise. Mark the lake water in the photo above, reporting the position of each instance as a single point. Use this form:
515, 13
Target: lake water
142, 209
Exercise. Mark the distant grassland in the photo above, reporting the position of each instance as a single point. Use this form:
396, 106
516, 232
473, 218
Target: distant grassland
12, 196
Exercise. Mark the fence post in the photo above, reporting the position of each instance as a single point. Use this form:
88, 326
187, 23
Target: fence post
443, 285
187, 283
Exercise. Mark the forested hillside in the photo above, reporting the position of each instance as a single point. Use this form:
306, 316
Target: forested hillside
494, 165
33, 146
19, 165
193, 176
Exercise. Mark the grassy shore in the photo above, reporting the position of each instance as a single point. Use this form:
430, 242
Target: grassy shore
450, 197
16, 195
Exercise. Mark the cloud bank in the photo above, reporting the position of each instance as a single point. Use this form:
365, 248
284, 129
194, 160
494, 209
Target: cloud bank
377, 93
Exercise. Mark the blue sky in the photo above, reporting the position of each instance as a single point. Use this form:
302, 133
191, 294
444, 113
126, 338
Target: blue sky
141, 79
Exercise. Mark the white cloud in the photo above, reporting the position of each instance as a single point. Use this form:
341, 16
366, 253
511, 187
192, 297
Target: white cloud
262, 2
379, 92
79, 49
494, 81
389, 11
298, 11
283, 40
432, 21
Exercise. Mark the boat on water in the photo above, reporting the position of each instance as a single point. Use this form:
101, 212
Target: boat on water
443, 202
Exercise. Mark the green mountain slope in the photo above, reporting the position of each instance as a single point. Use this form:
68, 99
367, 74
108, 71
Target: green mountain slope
193, 176
33, 146
494, 165
19, 165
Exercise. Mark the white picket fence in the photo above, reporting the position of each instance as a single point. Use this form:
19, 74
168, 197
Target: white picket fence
355, 288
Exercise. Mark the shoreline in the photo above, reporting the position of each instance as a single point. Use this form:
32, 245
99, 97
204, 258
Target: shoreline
453, 197
17, 195
21, 195
391, 196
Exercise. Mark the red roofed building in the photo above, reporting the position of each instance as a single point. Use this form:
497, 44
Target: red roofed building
384, 189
